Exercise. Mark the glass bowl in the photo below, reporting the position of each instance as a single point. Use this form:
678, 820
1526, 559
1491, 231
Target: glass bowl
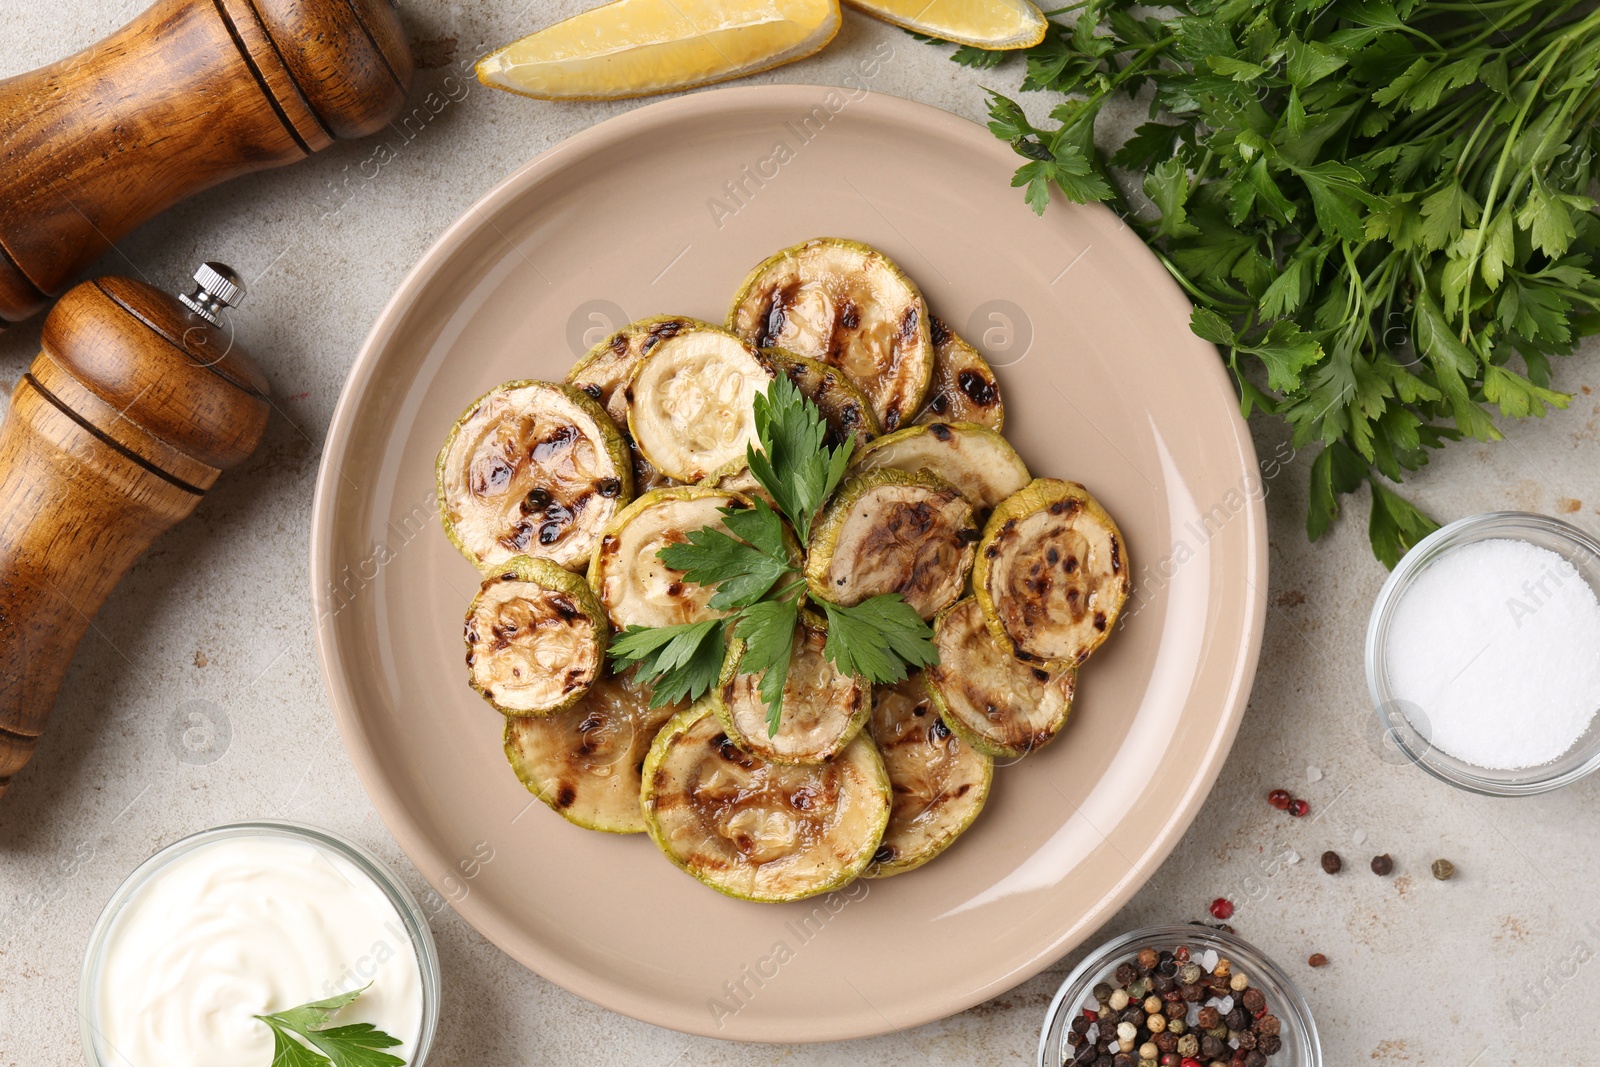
1301, 1048
1405, 725
411, 916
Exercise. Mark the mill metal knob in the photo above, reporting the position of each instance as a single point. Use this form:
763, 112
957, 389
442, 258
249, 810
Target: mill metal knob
217, 286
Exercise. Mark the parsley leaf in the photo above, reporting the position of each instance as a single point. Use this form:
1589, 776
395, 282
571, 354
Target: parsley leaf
788, 457
878, 639
742, 570
768, 630
349, 1045
681, 662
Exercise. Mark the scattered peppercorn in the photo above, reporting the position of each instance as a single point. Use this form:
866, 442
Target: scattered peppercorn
1318, 960
1331, 862
1444, 870
1299, 809
1279, 798
1222, 907
1382, 865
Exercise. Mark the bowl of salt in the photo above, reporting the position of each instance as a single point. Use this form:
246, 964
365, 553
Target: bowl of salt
1483, 654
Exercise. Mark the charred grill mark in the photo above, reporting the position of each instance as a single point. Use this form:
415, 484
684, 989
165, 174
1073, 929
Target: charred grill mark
558, 440
1116, 556
619, 343
1068, 506
675, 589
849, 315
938, 731
966, 787
908, 324
1100, 621
518, 536
536, 500
776, 315
1071, 565
940, 431
892, 417
1041, 675
938, 330
941, 404
594, 391
496, 478
980, 390
660, 332
609, 487
566, 796
549, 533
968, 535
732, 752
564, 607
884, 854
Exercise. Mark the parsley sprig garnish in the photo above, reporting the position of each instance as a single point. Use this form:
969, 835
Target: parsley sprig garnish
757, 577
347, 1045
1383, 210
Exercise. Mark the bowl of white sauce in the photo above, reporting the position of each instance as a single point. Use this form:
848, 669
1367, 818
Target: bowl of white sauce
253, 919
1483, 654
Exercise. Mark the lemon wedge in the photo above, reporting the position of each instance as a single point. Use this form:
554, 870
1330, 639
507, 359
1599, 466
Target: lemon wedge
990, 24
638, 47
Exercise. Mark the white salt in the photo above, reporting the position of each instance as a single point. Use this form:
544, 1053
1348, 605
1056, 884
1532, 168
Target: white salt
1313, 774
1359, 836
1497, 644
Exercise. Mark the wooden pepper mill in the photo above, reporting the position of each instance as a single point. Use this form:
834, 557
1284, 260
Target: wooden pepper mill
136, 403
189, 94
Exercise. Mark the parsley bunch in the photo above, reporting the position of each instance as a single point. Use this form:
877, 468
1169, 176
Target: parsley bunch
757, 578
1381, 208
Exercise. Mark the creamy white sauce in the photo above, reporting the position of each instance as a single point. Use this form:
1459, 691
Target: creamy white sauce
250, 926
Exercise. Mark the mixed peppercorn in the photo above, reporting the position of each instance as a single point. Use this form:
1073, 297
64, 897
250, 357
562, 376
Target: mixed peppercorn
1165, 1009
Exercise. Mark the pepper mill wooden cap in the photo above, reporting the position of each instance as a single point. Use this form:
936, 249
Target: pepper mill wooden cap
357, 75
153, 378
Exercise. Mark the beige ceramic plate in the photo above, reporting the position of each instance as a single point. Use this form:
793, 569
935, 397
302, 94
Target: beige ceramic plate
664, 209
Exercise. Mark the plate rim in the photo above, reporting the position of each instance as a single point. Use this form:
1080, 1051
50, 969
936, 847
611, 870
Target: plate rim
380, 791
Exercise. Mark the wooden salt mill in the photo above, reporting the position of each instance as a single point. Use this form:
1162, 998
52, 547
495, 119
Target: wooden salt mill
137, 402
189, 94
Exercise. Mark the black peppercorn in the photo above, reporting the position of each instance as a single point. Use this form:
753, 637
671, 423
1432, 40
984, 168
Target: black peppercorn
1237, 1019
1166, 1042
1163, 983
1331, 862
1254, 1058
1209, 1018
1253, 1000
1268, 1025
1270, 1044
1080, 1025
1213, 1048
1382, 865
1074, 1038
1194, 994
1122, 1059
1102, 992
1247, 1038
1125, 974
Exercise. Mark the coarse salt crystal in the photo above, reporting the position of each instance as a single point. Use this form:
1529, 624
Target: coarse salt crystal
1208, 959
1359, 836
1225, 1005
1313, 774
1495, 651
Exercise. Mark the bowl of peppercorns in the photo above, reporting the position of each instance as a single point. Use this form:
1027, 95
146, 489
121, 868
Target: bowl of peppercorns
1178, 996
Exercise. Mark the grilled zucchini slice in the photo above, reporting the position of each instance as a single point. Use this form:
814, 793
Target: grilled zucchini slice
964, 387
850, 306
637, 589
997, 703
891, 531
1052, 572
585, 763
757, 830
691, 401
939, 781
531, 468
536, 638
973, 458
823, 710
604, 372
845, 408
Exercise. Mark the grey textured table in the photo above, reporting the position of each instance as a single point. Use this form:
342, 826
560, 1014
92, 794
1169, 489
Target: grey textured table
211, 638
